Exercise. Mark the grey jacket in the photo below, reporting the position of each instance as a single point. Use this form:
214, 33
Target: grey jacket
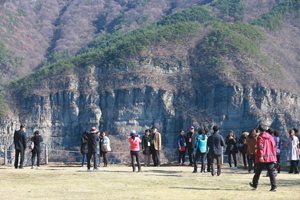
292, 149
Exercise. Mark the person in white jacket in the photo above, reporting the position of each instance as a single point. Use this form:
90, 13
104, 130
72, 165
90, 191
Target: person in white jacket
105, 147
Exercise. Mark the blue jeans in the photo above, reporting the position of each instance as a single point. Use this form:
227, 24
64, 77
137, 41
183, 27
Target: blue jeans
252, 161
202, 156
83, 158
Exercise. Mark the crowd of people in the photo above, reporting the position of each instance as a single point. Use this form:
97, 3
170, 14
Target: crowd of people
261, 148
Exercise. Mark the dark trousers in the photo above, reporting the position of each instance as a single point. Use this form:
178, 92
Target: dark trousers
155, 156
278, 162
19, 151
208, 162
136, 155
294, 167
260, 167
34, 153
245, 158
83, 159
252, 161
234, 158
105, 161
191, 155
202, 156
219, 160
90, 154
181, 156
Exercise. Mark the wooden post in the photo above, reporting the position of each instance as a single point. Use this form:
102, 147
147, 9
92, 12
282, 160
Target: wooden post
5, 156
46, 155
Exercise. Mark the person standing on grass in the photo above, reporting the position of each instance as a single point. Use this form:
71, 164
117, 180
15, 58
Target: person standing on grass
215, 143
207, 156
265, 157
181, 144
155, 146
200, 150
105, 147
134, 141
93, 139
20, 146
146, 146
298, 136
292, 156
36, 151
84, 146
251, 142
278, 151
231, 148
191, 138
243, 147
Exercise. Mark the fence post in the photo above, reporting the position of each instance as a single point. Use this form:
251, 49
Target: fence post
5, 156
46, 155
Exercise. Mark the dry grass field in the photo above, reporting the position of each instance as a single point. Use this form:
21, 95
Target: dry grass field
119, 182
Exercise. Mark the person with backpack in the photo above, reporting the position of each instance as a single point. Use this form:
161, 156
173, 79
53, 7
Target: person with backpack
181, 144
84, 146
191, 138
20, 146
36, 150
105, 147
292, 156
251, 141
134, 141
146, 146
278, 151
200, 150
231, 148
93, 139
243, 147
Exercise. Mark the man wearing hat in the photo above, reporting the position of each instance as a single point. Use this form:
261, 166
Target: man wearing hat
191, 138
155, 146
93, 139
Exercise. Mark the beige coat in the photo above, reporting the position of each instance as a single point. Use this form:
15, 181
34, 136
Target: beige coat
156, 140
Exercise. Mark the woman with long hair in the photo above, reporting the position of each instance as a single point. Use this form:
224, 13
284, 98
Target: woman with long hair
251, 141
292, 144
231, 148
146, 146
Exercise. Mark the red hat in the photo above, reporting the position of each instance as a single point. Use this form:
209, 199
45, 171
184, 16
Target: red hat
192, 127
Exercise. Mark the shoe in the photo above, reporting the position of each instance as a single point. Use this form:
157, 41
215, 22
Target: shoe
38, 168
32, 167
208, 171
235, 168
140, 170
294, 173
82, 166
253, 187
249, 170
21, 167
273, 190
183, 164
219, 174
194, 171
180, 164
158, 166
290, 172
133, 170
96, 169
190, 164
231, 167
89, 169
202, 172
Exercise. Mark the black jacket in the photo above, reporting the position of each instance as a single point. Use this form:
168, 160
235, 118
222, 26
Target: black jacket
37, 143
92, 142
231, 145
145, 141
84, 143
215, 143
20, 139
191, 139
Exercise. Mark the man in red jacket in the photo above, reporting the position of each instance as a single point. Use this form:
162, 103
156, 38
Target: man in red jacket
265, 157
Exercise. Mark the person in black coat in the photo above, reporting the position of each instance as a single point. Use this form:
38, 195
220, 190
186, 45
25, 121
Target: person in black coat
191, 138
208, 158
93, 139
146, 146
215, 143
231, 148
84, 146
20, 145
36, 151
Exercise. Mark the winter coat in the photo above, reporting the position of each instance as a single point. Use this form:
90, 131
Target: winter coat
251, 143
215, 143
266, 148
191, 139
201, 144
231, 145
156, 140
93, 139
105, 147
242, 142
146, 144
181, 141
84, 144
134, 144
37, 143
20, 139
292, 149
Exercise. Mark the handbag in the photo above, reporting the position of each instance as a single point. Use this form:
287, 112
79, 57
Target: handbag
31, 145
182, 148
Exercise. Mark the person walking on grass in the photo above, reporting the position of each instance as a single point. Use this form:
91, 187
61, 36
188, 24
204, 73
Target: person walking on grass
191, 138
84, 146
181, 144
292, 156
231, 148
265, 157
93, 139
134, 141
243, 148
36, 151
105, 147
215, 143
155, 146
20, 146
200, 150
251, 142
208, 158
146, 146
